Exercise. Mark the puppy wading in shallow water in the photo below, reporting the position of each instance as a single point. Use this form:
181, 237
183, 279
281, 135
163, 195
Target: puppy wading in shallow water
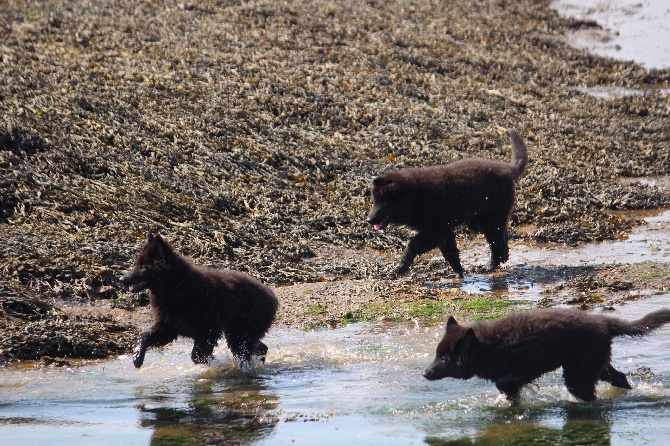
515, 350
200, 303
434, 200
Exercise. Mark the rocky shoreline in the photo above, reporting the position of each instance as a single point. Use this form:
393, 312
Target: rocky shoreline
248, 134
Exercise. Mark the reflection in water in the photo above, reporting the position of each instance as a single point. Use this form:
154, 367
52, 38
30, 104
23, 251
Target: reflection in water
231, 407
360, 384
520, 278
562, 423
574, 423
531, 265
526, 433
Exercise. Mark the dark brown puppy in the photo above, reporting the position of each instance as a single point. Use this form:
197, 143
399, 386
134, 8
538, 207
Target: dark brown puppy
434, 200
200, 303
515, 350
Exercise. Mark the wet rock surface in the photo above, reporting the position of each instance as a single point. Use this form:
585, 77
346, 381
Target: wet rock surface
608, 286
34, 329
249, 133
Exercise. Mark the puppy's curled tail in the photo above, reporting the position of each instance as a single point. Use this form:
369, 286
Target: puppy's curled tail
640, 327
519, 153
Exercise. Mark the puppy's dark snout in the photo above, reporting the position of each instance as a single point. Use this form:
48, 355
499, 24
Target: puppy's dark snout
429, 375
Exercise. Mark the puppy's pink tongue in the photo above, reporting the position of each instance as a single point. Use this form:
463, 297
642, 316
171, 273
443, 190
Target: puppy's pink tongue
377, 227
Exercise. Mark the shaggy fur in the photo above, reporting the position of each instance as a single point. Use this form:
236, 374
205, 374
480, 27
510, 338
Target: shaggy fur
515, 350
434, 200
200, 303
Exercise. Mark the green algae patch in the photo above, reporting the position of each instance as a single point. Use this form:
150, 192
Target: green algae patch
372, 311
485, 308
430, 311
316, 309
573, 433
427, 310
647, 271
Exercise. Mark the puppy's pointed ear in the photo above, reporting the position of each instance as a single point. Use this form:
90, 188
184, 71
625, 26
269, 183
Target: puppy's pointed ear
451, 322
159, 242
161, 247
150, 236
469, 338
378, 181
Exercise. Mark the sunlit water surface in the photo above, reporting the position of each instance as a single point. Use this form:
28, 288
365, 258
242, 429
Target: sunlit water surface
636, 30
361, 384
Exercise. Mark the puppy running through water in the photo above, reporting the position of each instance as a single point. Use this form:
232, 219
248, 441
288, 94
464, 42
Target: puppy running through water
200, 303
515, 350
435, 200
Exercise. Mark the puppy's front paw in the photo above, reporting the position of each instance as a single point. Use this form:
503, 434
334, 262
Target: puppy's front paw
138, 359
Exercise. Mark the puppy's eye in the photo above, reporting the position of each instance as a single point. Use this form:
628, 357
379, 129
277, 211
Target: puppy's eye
390, 193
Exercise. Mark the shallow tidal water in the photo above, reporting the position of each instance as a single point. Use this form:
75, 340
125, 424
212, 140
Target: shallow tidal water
637, 30
532, 267
361, 384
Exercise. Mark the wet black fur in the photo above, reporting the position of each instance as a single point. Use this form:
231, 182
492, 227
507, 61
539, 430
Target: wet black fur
200, 303
515, 350
434, 200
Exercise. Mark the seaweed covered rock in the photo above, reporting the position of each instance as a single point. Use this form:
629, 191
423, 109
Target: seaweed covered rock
33, 329
249, 132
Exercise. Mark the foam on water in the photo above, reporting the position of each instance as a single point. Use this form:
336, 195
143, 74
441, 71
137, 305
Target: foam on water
361, 384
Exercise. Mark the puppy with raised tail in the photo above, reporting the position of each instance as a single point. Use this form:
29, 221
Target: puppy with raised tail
476, 192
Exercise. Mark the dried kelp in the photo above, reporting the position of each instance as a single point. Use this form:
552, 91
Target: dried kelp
248, 132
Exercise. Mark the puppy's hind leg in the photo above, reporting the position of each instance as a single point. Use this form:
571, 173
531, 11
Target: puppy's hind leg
261, 351
497, 238
449, 251
241, 348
